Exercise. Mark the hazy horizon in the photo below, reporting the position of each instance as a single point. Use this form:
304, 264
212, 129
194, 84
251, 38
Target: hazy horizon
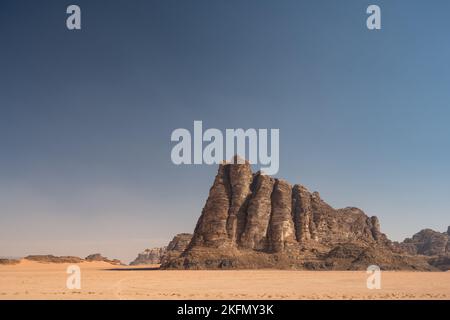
86, 116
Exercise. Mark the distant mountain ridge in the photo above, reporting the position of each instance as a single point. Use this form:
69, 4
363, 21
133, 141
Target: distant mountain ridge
62, 259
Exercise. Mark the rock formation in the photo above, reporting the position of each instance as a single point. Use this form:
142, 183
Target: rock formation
149, 256
427, 242
158, 255
54, 259
256, 221
6, 261
70, 259
99, 257
176, 247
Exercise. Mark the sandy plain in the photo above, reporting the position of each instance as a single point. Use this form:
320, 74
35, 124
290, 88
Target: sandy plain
99, 280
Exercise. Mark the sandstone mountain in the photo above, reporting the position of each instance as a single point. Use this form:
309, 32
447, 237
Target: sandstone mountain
176, 247
427, 242
251, 220
149, 256
159, 255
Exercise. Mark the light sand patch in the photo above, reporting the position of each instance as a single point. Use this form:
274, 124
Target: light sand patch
99, 280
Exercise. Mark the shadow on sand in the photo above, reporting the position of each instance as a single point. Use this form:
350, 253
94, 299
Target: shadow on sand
133, 269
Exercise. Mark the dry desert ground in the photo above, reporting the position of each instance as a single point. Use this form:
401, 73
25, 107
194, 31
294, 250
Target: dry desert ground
99, 280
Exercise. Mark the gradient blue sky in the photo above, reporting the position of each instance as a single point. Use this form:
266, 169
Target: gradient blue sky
86, 116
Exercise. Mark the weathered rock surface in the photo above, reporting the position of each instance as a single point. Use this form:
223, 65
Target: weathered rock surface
427, 242
54, 259
173, 250
149, 256
99, 257
4, 261
70, 259
256, 221
176, 247
430, 243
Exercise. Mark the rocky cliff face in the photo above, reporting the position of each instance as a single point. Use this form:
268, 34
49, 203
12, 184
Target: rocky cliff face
158, 255
176, 247
256, 221
427, 242
149, 256
430, 243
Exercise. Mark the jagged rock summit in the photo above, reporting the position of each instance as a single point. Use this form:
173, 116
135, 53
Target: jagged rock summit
251, 220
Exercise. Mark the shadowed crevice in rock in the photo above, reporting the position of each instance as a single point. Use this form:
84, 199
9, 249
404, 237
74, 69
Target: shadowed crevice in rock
281, 224
254, 235
240, 179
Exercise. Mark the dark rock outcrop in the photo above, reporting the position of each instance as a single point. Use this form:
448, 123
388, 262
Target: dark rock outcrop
173, 250
256, 221
441, 262
70, 259
149, 256
4, 261
99, 257
53, 259
430, 243
426, 242
176, 247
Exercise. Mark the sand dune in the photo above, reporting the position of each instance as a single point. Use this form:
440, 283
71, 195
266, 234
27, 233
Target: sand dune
100, 280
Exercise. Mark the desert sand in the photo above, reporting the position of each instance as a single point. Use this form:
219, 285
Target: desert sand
99, 280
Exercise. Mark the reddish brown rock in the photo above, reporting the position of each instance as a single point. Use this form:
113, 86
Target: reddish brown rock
149, 256
255, 221
176, 247
426, 242
99, 257
281, 225
211, 229
305, 228
259, 210
173, 250
53, 259
240, 179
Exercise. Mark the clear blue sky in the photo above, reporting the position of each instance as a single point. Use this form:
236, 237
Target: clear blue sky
86, 116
